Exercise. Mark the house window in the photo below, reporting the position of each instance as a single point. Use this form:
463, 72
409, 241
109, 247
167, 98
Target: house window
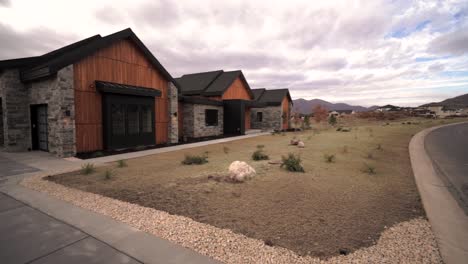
211, 117
259, 116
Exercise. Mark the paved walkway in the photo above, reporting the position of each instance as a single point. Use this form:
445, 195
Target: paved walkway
37, 228
448, 219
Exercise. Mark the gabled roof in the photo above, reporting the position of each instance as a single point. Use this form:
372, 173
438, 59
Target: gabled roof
271, 97
213, 83
48, 64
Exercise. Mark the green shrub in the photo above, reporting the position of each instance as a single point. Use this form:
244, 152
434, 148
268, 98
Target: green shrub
292, 163
195, 160
329, 158
121, 163
87, 168
332, 120
379, 147
108, 174
369, 169
259, 155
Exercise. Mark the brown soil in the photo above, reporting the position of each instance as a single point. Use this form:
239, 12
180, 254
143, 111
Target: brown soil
332, 206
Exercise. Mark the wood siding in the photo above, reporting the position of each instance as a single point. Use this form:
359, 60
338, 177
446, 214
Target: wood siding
247, 118
121, 63
286, 113
237, 90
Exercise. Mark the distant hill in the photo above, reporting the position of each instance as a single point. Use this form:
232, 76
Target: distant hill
305, 106
455, 102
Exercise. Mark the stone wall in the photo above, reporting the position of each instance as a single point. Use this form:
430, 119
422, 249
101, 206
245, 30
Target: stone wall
57, 92
1, 121
194, 121
173, 107
16, 124
271, 118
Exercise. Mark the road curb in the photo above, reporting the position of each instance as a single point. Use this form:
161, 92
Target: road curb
448, 220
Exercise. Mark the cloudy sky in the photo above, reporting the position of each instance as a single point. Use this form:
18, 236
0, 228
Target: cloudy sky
360, 52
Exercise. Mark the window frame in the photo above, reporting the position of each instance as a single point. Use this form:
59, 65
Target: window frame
259, 114
211, 124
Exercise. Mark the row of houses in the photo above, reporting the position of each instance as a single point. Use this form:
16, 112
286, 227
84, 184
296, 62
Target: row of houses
111, 93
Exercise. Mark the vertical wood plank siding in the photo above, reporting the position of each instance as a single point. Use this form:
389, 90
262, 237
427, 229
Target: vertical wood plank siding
120, 63
286, 113
247, 118
237, 90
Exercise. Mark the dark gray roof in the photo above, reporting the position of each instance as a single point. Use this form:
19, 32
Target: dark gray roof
48, 64
272, 97
213, 83
258, 93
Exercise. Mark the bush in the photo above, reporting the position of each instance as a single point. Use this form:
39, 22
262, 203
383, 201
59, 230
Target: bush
332, 120
121, 163
108, 174
195, 160
87, 168
292, 163
379, 147
226, 150
260, 146
259, 155
329, 158
369, 169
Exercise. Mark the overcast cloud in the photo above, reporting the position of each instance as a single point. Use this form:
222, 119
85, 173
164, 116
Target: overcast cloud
360, 52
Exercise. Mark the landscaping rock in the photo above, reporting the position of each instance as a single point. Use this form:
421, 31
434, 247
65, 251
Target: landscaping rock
294, 141
301, 144
240, 171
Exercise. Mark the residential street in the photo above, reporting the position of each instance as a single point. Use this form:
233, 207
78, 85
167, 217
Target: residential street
448, 148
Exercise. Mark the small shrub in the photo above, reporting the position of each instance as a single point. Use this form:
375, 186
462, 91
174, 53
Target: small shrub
370, 155
345, 149
259, 155
121, 163
108, 174
332, 120
283, 134
369, 169
339, 129
292, 163
329, 158
195, 160
260, 146
379, 147
87, 168
226, 150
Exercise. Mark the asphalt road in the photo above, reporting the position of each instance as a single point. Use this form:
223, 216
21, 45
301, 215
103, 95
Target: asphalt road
448, 148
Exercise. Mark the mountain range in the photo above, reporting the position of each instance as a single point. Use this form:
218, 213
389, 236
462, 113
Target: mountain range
305, 106
455, 102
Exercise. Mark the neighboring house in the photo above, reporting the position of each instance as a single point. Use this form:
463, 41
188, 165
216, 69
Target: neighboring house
388, 108
101, 93
273, 109
213, 104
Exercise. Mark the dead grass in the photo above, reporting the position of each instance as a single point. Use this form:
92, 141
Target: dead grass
318, 212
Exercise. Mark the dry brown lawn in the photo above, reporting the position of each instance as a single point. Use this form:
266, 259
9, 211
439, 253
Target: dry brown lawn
331, 206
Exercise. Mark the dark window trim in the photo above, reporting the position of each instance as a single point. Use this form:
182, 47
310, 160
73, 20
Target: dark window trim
259, 116
211, 124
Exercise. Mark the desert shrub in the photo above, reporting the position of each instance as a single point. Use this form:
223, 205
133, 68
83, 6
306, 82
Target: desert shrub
345, 149
329, 158
292, 163
332, 120
259, 155
369, 169
108, 174
260, 146
379, 147
195, 159
87, 168
306, 123
225, 150
121, 163
339, 128
370, 155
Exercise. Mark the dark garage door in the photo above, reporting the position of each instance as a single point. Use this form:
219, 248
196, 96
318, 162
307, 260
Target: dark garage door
128, 121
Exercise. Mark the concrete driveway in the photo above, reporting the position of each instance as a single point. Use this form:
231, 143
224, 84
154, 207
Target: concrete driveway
30, 236
10, 167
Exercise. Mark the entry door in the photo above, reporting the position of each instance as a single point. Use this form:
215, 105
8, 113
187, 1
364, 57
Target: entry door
39, 127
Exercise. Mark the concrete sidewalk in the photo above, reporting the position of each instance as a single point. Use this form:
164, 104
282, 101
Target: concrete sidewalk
447, 218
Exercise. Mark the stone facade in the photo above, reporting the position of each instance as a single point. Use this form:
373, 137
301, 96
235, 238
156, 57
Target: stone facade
173, 107
57, 92
1, 122
272, 118
194, 121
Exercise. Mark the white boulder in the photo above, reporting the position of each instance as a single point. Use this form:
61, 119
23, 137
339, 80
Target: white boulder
240, 171
301, 144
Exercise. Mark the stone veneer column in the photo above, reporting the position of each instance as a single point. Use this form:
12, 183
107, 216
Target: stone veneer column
16, 125
66, 129
173, 119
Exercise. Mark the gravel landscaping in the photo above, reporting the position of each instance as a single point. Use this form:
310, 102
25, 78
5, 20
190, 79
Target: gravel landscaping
407, 242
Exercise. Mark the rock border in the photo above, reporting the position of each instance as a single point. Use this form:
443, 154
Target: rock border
407, 242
